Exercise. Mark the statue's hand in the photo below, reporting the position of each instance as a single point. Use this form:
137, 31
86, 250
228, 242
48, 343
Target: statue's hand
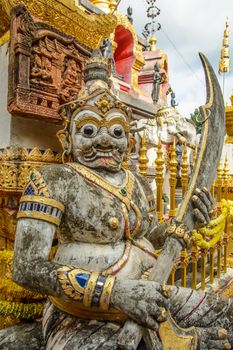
203, 203
143, 301
213, 338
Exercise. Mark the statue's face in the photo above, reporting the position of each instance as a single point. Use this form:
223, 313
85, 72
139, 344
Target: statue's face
99, 142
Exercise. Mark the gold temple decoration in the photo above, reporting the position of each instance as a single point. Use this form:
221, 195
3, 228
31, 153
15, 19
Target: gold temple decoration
203, 268
15, 165
159, 178
194, 256
184, 170
226, 177
219, 181
65, 15
224, 62
113, 223
5, 38
106, 6
212, 189
171, 279
125, 163
212, 265
172, 180
12, 296
225, 251
171, 340
143, 159
104, 104
152, 43
184, 264
219, 255
229, 122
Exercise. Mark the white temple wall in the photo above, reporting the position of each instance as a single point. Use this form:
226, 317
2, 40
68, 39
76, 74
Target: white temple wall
5, 117
30, 133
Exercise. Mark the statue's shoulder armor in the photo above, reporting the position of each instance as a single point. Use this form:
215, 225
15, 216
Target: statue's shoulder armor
50, 181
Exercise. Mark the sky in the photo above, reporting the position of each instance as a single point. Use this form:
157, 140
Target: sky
189, 27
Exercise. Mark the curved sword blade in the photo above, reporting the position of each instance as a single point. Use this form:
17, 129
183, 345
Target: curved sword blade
211, 143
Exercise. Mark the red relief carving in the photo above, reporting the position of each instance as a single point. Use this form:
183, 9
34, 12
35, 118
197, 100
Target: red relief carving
45, 67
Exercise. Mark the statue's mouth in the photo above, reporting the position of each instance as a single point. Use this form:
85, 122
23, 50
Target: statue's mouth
96, 153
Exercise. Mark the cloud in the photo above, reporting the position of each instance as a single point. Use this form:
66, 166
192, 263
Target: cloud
188, 27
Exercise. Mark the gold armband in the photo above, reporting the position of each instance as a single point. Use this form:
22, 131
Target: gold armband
36, 202
179, 231
41, 208
90, 288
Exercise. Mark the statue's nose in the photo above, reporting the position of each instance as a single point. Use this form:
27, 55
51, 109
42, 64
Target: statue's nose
103, 138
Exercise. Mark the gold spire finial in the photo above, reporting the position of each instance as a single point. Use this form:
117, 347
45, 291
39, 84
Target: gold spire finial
106, 6
152, 42
143, 159
224, 62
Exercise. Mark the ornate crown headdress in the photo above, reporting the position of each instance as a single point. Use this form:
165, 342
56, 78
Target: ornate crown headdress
95, 95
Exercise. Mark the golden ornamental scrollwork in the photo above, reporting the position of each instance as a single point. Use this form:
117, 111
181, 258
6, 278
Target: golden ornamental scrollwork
89, 29
15, 165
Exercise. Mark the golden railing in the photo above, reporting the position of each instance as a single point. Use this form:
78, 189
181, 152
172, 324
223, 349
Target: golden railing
212, 247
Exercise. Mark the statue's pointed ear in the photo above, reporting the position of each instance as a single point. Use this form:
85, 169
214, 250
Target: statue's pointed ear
131, 143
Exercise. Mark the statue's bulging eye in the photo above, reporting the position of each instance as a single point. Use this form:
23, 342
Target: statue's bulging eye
89, 130
118, 131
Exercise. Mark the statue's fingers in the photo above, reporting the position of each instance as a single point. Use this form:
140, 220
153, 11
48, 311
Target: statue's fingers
204, 198
151, 323
201, 206
158, 313
208, 194
199, 217
162, 301
218, 344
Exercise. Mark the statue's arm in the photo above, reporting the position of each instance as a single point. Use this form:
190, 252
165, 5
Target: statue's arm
31, 268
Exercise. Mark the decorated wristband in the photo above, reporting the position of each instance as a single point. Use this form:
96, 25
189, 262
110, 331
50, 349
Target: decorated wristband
180, 232
90, 288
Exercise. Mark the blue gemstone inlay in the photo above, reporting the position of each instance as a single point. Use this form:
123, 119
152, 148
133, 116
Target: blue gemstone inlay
99, 287
32, 176
102, 278
82, 279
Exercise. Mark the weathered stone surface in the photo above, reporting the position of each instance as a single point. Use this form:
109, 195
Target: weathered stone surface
26, 336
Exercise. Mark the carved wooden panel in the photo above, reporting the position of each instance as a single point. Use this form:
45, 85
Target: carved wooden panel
45, 67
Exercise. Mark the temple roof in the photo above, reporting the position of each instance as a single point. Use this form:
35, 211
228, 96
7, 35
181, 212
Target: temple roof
88, 28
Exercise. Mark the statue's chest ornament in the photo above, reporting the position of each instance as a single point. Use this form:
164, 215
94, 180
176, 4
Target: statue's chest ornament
124, 194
